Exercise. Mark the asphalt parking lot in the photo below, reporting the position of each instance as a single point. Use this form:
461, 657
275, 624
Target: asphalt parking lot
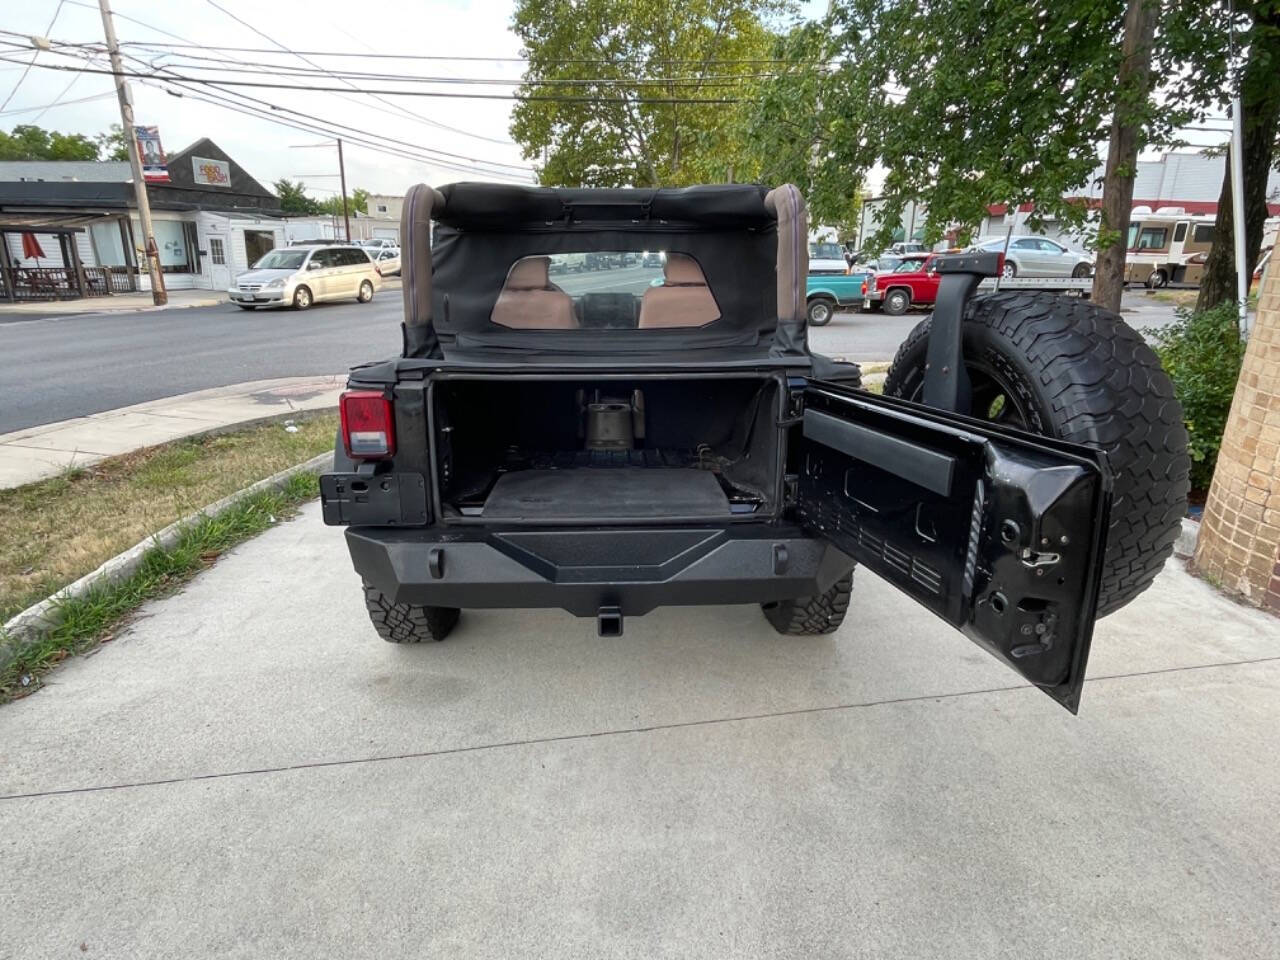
247, 771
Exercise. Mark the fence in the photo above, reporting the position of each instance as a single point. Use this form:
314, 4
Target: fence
59, 283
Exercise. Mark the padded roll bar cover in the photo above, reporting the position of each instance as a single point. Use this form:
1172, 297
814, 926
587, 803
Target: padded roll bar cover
787, 205
415, 269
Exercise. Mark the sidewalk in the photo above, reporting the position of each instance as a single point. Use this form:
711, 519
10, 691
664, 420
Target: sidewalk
115, 304
246, 770
37, 452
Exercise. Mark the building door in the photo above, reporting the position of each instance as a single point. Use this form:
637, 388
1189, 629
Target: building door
219, 272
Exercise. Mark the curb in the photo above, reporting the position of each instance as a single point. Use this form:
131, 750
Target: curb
39, 619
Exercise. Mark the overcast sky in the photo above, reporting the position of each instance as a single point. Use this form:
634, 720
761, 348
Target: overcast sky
267, 150
264, 148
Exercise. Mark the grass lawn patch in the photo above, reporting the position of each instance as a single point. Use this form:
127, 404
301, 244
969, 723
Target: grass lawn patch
1179, 298
54, 531
89, 618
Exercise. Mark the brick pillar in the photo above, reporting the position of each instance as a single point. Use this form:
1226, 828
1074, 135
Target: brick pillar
1239, 545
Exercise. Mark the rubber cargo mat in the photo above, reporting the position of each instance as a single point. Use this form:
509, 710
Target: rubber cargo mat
604, 495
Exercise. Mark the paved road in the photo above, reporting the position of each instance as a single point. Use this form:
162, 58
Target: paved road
875, 336
56, 369
265, 778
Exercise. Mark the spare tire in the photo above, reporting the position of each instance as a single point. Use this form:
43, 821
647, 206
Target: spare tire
1066, 368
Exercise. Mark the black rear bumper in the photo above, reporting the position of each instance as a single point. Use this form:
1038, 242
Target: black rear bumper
581, 571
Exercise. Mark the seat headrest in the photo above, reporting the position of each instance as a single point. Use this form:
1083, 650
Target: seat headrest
682, 270
530, 273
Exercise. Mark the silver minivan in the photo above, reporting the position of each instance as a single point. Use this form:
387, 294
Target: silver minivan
301, 276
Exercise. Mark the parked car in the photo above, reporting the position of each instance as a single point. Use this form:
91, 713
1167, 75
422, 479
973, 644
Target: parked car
825, 293
386, 259
826, 258
301, 276
1030, 256
911, 282
380, 243
908, 246
628, 447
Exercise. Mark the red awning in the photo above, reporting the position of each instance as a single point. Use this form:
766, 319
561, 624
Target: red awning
31, 246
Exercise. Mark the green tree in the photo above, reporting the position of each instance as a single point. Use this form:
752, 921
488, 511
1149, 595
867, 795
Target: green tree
617, 57
973, 104
28, 142
113, 145
1259, 38
357, 200
294, 199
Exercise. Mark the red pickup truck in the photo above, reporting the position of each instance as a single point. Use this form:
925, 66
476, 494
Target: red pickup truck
911, 283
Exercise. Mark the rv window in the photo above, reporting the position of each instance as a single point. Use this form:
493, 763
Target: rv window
1153, 238
1203, 233
1179, 233
1133, 236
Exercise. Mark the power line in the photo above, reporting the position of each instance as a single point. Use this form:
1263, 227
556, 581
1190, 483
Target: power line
472, 59
433, 153
183, 42
57, 10
451, 95
308, 127
398, 107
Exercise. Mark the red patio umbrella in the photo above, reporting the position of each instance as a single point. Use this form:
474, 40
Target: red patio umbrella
31, 246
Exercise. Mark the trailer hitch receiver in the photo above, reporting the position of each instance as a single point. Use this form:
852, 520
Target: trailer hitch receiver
946, 384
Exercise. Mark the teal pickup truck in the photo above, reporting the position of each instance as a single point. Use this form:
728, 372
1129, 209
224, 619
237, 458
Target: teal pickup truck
827, 292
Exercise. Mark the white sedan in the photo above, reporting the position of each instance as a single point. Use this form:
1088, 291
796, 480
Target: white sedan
387, 260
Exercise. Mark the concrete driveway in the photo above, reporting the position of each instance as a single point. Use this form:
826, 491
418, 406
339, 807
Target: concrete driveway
248, 772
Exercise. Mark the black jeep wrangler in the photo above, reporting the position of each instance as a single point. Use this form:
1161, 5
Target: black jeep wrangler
656, 431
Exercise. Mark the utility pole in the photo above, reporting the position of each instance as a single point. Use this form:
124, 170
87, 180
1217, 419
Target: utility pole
159, 296
342, 177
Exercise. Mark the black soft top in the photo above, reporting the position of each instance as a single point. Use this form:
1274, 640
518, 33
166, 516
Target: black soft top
477, 206
461, 241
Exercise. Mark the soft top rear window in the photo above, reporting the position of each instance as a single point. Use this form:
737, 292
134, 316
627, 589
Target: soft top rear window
605, 289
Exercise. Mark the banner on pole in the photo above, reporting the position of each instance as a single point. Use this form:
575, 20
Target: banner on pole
155, 167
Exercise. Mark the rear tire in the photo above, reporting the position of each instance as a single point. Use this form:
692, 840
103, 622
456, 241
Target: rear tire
897, 302
408, 622
1157, 280
820, 311
812, 616
1064, 367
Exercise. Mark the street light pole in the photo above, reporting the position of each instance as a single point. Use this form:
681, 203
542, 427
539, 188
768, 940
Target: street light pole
342, 176
159, 296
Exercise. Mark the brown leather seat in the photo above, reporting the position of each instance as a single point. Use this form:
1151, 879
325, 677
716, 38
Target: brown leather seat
683, 300
530, 301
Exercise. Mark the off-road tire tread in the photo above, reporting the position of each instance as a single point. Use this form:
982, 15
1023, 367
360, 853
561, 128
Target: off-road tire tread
815, 615
1105, 388
407, 622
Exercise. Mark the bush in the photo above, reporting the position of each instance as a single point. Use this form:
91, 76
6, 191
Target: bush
1202, 353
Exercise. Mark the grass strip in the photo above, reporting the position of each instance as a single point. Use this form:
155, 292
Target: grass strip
89, 619
54, 531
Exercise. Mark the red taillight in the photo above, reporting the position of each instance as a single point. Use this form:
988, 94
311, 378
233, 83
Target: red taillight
368, 426
864, 288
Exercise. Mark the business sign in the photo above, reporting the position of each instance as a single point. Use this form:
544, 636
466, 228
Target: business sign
211, 173
154, 165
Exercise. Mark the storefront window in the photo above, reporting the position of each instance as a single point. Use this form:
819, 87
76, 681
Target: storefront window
108, 243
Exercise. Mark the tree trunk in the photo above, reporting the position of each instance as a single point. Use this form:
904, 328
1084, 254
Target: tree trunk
1260, 116
1133, 88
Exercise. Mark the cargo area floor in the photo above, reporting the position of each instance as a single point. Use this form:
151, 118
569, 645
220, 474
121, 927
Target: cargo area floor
615, 494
